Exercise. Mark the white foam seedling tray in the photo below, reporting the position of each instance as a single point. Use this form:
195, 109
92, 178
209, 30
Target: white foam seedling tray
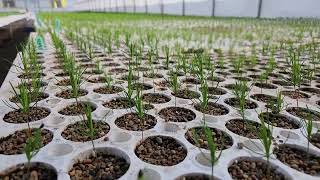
61, 153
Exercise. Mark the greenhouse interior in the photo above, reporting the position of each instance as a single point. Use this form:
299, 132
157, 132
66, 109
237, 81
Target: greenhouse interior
159, 89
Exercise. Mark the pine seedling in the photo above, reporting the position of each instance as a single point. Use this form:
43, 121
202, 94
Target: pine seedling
265, 137
241, 91
309, 73
166, 50
132, 48
140, 108
174, 85
32, 147
89, 123
129, 92
108, 80
98, 67
279, 104
35, 89
23, 96
307, 130
212, 147
296, 71
204, 101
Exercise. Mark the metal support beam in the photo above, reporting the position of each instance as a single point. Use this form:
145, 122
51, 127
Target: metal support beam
213, 7
134, 6
183, 7
146, 5
162, 7
259, 9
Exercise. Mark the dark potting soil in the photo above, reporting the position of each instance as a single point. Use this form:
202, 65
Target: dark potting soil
155, 98
75, 109
213, 109
15, 143
102, 166
298, 159
132, 122
279, 120
119, 103
108, 90
245, 128
198, 137
34, 114
304, 113
33, 97
36, 170
252, 169
235, 103
68, 94
161, 150
177, 114
186, 94
80, 131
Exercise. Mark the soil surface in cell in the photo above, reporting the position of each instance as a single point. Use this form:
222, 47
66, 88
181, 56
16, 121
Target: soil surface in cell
80, 131
108, 90
216, 91
119, 103
216, 79
177, 114
298, 159
213, 109
191, 81
125, 78
31, 75
141, 86
152, 75
64, 82
99, 79
68, 94
101, 166
196, 176
265, 85
310, 90
245, 128
29, 84
264, 98
132, 122
34, 97
251, 169
118, 70
15, 143
76, 109
198, 137
162, 83
36, 170
282, 83
234, 86
155, 98
295, 94
161, 150
304, 113
279, 120
234, 102
186, 94
34, 114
